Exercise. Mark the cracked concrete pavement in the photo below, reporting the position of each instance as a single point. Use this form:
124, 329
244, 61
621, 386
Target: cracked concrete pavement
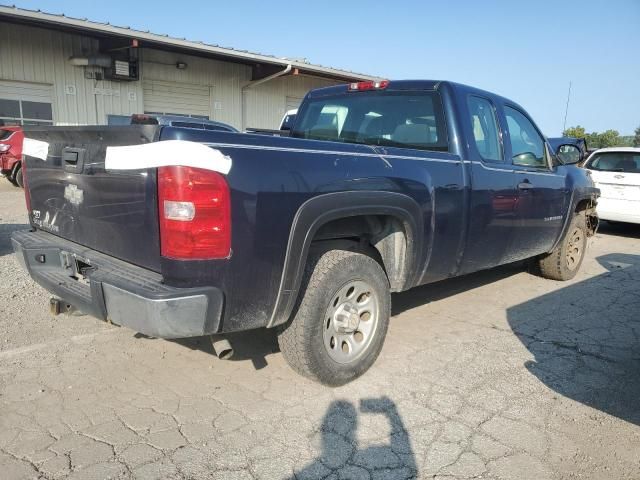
498, 375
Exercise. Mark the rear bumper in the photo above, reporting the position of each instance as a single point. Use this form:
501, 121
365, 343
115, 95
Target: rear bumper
619, 210
118, 291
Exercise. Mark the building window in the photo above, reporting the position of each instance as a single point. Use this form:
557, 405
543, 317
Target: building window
23, 112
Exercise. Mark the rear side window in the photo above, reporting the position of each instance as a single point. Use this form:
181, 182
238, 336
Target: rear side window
485, 129
385, 118
625, 162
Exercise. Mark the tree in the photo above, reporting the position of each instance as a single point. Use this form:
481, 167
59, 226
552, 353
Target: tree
608, 138
636, 139
575, 132
593, 140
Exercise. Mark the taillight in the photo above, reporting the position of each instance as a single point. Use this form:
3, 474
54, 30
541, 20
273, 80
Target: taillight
361, 86
195, 213
143, 119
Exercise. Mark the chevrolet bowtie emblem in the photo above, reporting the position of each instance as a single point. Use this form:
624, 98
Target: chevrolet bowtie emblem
73, 194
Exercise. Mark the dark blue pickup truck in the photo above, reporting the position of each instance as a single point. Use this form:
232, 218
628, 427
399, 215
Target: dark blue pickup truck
381, 186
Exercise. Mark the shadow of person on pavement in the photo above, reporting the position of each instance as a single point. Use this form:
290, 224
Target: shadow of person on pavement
341, 452
586, 338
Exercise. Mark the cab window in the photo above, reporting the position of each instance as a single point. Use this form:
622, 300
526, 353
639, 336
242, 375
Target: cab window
383, 118
527, 145
485, 129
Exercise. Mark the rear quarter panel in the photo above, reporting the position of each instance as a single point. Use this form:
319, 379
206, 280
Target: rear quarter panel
272, 177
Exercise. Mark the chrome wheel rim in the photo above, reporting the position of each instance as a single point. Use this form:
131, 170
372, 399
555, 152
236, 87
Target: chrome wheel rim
574, 249
350, 321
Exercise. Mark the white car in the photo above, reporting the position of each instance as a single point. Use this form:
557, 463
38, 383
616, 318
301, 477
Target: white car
616, 172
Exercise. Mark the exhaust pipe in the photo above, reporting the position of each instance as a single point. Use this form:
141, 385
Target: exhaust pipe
221, 347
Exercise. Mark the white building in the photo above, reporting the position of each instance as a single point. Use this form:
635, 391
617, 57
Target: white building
67, 71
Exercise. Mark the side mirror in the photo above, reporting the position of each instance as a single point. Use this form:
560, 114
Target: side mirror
569, 154
287, 122
527, 159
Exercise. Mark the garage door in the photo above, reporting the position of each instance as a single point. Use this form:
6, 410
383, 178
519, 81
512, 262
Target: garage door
171, 98
24, 103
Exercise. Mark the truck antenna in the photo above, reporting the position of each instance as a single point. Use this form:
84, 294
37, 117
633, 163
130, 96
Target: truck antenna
566, 110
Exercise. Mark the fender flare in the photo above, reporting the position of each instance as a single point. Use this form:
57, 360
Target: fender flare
324, 208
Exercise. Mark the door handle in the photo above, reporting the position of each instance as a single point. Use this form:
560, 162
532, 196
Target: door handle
526, 185
73, 159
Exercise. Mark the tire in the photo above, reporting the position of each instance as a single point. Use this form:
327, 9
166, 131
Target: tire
12, 178
565, 260
344, 299
17, 178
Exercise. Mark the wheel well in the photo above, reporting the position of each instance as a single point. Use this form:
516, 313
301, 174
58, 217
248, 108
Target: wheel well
583, 205
588, 207
385, 234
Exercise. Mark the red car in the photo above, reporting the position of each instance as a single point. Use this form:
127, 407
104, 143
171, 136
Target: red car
11, 154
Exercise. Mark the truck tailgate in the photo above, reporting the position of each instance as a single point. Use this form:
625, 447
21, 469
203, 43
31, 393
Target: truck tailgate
72, 196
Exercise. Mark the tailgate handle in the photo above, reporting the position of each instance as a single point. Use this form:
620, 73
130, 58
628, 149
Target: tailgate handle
73, 159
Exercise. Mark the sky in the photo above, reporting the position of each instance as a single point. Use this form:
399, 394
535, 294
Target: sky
526, 50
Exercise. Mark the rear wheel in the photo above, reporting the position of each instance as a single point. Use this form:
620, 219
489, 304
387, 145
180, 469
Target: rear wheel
341, 319
565, 260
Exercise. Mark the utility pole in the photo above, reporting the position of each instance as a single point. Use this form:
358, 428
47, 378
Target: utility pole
566, 110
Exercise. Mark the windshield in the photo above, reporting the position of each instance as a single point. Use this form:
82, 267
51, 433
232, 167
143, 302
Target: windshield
627, 162
398, 119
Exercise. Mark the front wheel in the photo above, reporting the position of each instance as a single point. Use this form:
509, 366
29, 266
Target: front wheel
341, 320
565, 260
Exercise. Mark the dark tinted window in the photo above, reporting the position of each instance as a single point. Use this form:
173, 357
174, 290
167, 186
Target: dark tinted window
199, 126
9, 108
218, 128
35, 122
23, 112
485, 128
399, 119
37, 110
527, 145
626, 162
